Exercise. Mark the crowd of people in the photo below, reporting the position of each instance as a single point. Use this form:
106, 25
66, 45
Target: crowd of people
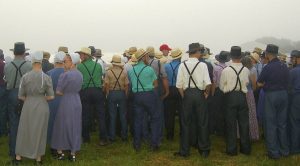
241, 96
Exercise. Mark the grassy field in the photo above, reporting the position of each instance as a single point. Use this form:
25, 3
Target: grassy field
120, 153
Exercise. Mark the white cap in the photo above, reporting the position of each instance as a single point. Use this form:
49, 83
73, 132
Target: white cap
59, 57
75, 58
37, 57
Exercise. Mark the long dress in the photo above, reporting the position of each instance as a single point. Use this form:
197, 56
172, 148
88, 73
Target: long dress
68, 123
32, 131
53, 104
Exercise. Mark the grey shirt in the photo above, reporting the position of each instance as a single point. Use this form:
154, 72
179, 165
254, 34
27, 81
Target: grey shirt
154, 63
10, 72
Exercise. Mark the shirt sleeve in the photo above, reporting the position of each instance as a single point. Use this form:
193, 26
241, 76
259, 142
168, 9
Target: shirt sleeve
223, 81
126, 78
22, 92
106, 78
180, 81
262, 77
49, 87
206, 76
62, 83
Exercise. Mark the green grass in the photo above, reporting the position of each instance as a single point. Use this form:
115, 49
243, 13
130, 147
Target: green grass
120, 153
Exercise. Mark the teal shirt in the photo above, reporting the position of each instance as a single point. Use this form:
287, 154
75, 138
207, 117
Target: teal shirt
147, 77
96, 80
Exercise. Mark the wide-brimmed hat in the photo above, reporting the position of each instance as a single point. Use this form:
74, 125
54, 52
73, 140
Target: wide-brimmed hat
46, 55
117, 60
158, 55
164, 47
93, 50
19, 48
133, 60
75, 57
176, 53
132, 50
140, 54
255, 56
257, 50
85, 50
37, 57
98, 53
151, 51
236, 52
272, 49
223, 57
196, 47
63, 49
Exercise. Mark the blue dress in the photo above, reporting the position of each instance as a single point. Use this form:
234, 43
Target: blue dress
67, 126
53, 104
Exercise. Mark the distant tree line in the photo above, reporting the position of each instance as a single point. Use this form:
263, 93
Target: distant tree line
285, 45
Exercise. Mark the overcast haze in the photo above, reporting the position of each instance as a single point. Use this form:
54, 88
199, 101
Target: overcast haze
114, 25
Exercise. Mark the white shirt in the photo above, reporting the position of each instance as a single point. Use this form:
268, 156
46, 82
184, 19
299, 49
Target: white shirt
200, 75
228, 78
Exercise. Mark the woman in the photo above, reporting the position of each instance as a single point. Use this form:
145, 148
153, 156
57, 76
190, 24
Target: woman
253, 124
67, 125
35, 90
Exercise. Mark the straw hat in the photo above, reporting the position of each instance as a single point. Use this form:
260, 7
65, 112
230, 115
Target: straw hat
46, 55
132, 50
257, 50
255, 56
151, 51
117, 60
63, 49
85, 50
133, 60
158, 55
140, 54
176, 53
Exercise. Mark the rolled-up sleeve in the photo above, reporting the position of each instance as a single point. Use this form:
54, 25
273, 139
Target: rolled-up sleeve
180, 81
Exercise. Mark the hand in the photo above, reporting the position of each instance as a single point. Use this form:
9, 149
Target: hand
205, 95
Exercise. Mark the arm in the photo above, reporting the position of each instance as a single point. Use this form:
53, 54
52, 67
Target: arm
166, 87
181, 92
49, 89
22, 93
155, 83
253, 81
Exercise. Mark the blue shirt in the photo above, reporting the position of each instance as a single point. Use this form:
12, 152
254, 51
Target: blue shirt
142, 78
295, 79
172, 71
54, 74
275, 75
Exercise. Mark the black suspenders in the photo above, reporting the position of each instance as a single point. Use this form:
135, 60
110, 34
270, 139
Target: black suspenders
91, 75
18, 71
238, 80
191, 75
138, 78
117, 78
173, 71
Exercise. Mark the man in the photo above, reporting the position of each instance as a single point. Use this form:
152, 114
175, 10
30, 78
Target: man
144, 80
98, 56
193, 85
46, 65
217, 119
173, 101
3, 97
13, 72
116, 83
165, 49
294, 114
274, 80
91, 95
162, 89
233, 82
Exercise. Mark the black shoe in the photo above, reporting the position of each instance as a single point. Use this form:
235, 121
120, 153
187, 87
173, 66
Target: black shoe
205, 153
245, 152
154, 148
178, 154
72, 158
272, 157
231, 153
137, 148
60, 156
16, 162
38, 163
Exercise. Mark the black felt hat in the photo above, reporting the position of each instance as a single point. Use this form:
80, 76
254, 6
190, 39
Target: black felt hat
223, 57
19, 48
272, 49
195, 47
236, 52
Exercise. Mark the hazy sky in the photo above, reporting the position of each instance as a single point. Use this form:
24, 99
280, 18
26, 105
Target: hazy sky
114, 25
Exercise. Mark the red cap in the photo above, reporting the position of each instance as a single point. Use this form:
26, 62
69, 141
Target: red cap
164, 47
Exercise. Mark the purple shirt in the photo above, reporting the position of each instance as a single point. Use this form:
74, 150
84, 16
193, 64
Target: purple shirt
218, 68
2, 64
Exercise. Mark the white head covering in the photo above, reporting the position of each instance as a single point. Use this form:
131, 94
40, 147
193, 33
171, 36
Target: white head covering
75, 58
59, 57
37, 57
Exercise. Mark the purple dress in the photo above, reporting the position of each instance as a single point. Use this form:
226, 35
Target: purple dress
67, 125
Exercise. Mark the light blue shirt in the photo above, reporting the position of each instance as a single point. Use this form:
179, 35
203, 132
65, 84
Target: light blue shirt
172, 71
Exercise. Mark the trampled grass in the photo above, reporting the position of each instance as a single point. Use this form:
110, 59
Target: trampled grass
120, 153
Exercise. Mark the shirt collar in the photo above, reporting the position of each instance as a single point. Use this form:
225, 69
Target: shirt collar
193, 60
274, 60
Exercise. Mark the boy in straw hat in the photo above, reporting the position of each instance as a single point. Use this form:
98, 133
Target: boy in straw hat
144, 80
193, 85
116, 83
173, 102
91, 94
13, 72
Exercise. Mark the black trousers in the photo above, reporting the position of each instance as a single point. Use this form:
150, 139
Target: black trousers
172, 104
237, 111
93, 97
217, 113
194, 105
